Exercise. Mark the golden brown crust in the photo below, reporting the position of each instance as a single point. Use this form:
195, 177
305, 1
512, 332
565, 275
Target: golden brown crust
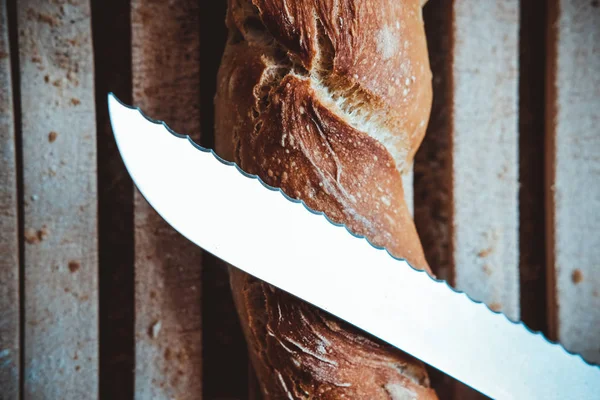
313, 155
300, 352
378, 47
290, 110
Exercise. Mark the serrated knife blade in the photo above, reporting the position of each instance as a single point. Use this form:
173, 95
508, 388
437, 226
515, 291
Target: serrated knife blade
323, 264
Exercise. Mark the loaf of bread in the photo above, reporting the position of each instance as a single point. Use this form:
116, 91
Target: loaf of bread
329, 100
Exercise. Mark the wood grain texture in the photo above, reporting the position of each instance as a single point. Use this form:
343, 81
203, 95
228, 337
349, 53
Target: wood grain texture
485, 152
60, 210
9, 226
485, 155
573, 190
165, 70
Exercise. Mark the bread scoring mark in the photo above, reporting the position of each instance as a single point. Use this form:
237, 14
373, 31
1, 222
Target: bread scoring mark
329, 148
345, 97
302, 110
358, 107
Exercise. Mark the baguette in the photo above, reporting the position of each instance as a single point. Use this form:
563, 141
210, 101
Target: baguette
329, 100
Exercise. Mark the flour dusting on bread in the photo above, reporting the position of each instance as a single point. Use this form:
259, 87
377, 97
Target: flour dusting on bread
388, 41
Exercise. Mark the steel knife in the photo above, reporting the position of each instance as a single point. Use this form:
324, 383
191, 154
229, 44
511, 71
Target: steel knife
339, 272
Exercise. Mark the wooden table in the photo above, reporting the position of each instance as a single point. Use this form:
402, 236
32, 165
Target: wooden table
100, 298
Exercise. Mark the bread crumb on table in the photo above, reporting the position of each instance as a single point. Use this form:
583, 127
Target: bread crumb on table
74, 266
34, 237
485, 252
31, 236
577, 276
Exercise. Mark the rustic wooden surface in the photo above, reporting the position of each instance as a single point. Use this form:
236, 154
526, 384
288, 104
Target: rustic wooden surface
573, 191
484, 152
166, 84
60, 217
473, 156
10, 358
510, 79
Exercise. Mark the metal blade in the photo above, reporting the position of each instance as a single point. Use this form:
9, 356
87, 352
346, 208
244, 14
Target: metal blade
263, 232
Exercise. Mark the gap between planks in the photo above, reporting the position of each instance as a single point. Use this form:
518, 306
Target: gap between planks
111, 26
227, 373
10, 331
532, 230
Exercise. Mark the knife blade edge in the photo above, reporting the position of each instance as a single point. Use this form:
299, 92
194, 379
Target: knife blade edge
341, 225
274, 189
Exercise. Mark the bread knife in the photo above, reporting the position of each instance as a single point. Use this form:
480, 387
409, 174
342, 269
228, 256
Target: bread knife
260, 230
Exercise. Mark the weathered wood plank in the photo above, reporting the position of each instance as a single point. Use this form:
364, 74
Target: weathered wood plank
467, 170
485, 152
573, 189
166, 74
60, 216
485, 155
9, 226
111, 25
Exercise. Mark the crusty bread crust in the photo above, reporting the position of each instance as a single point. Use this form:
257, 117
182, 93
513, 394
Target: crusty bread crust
327, 99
